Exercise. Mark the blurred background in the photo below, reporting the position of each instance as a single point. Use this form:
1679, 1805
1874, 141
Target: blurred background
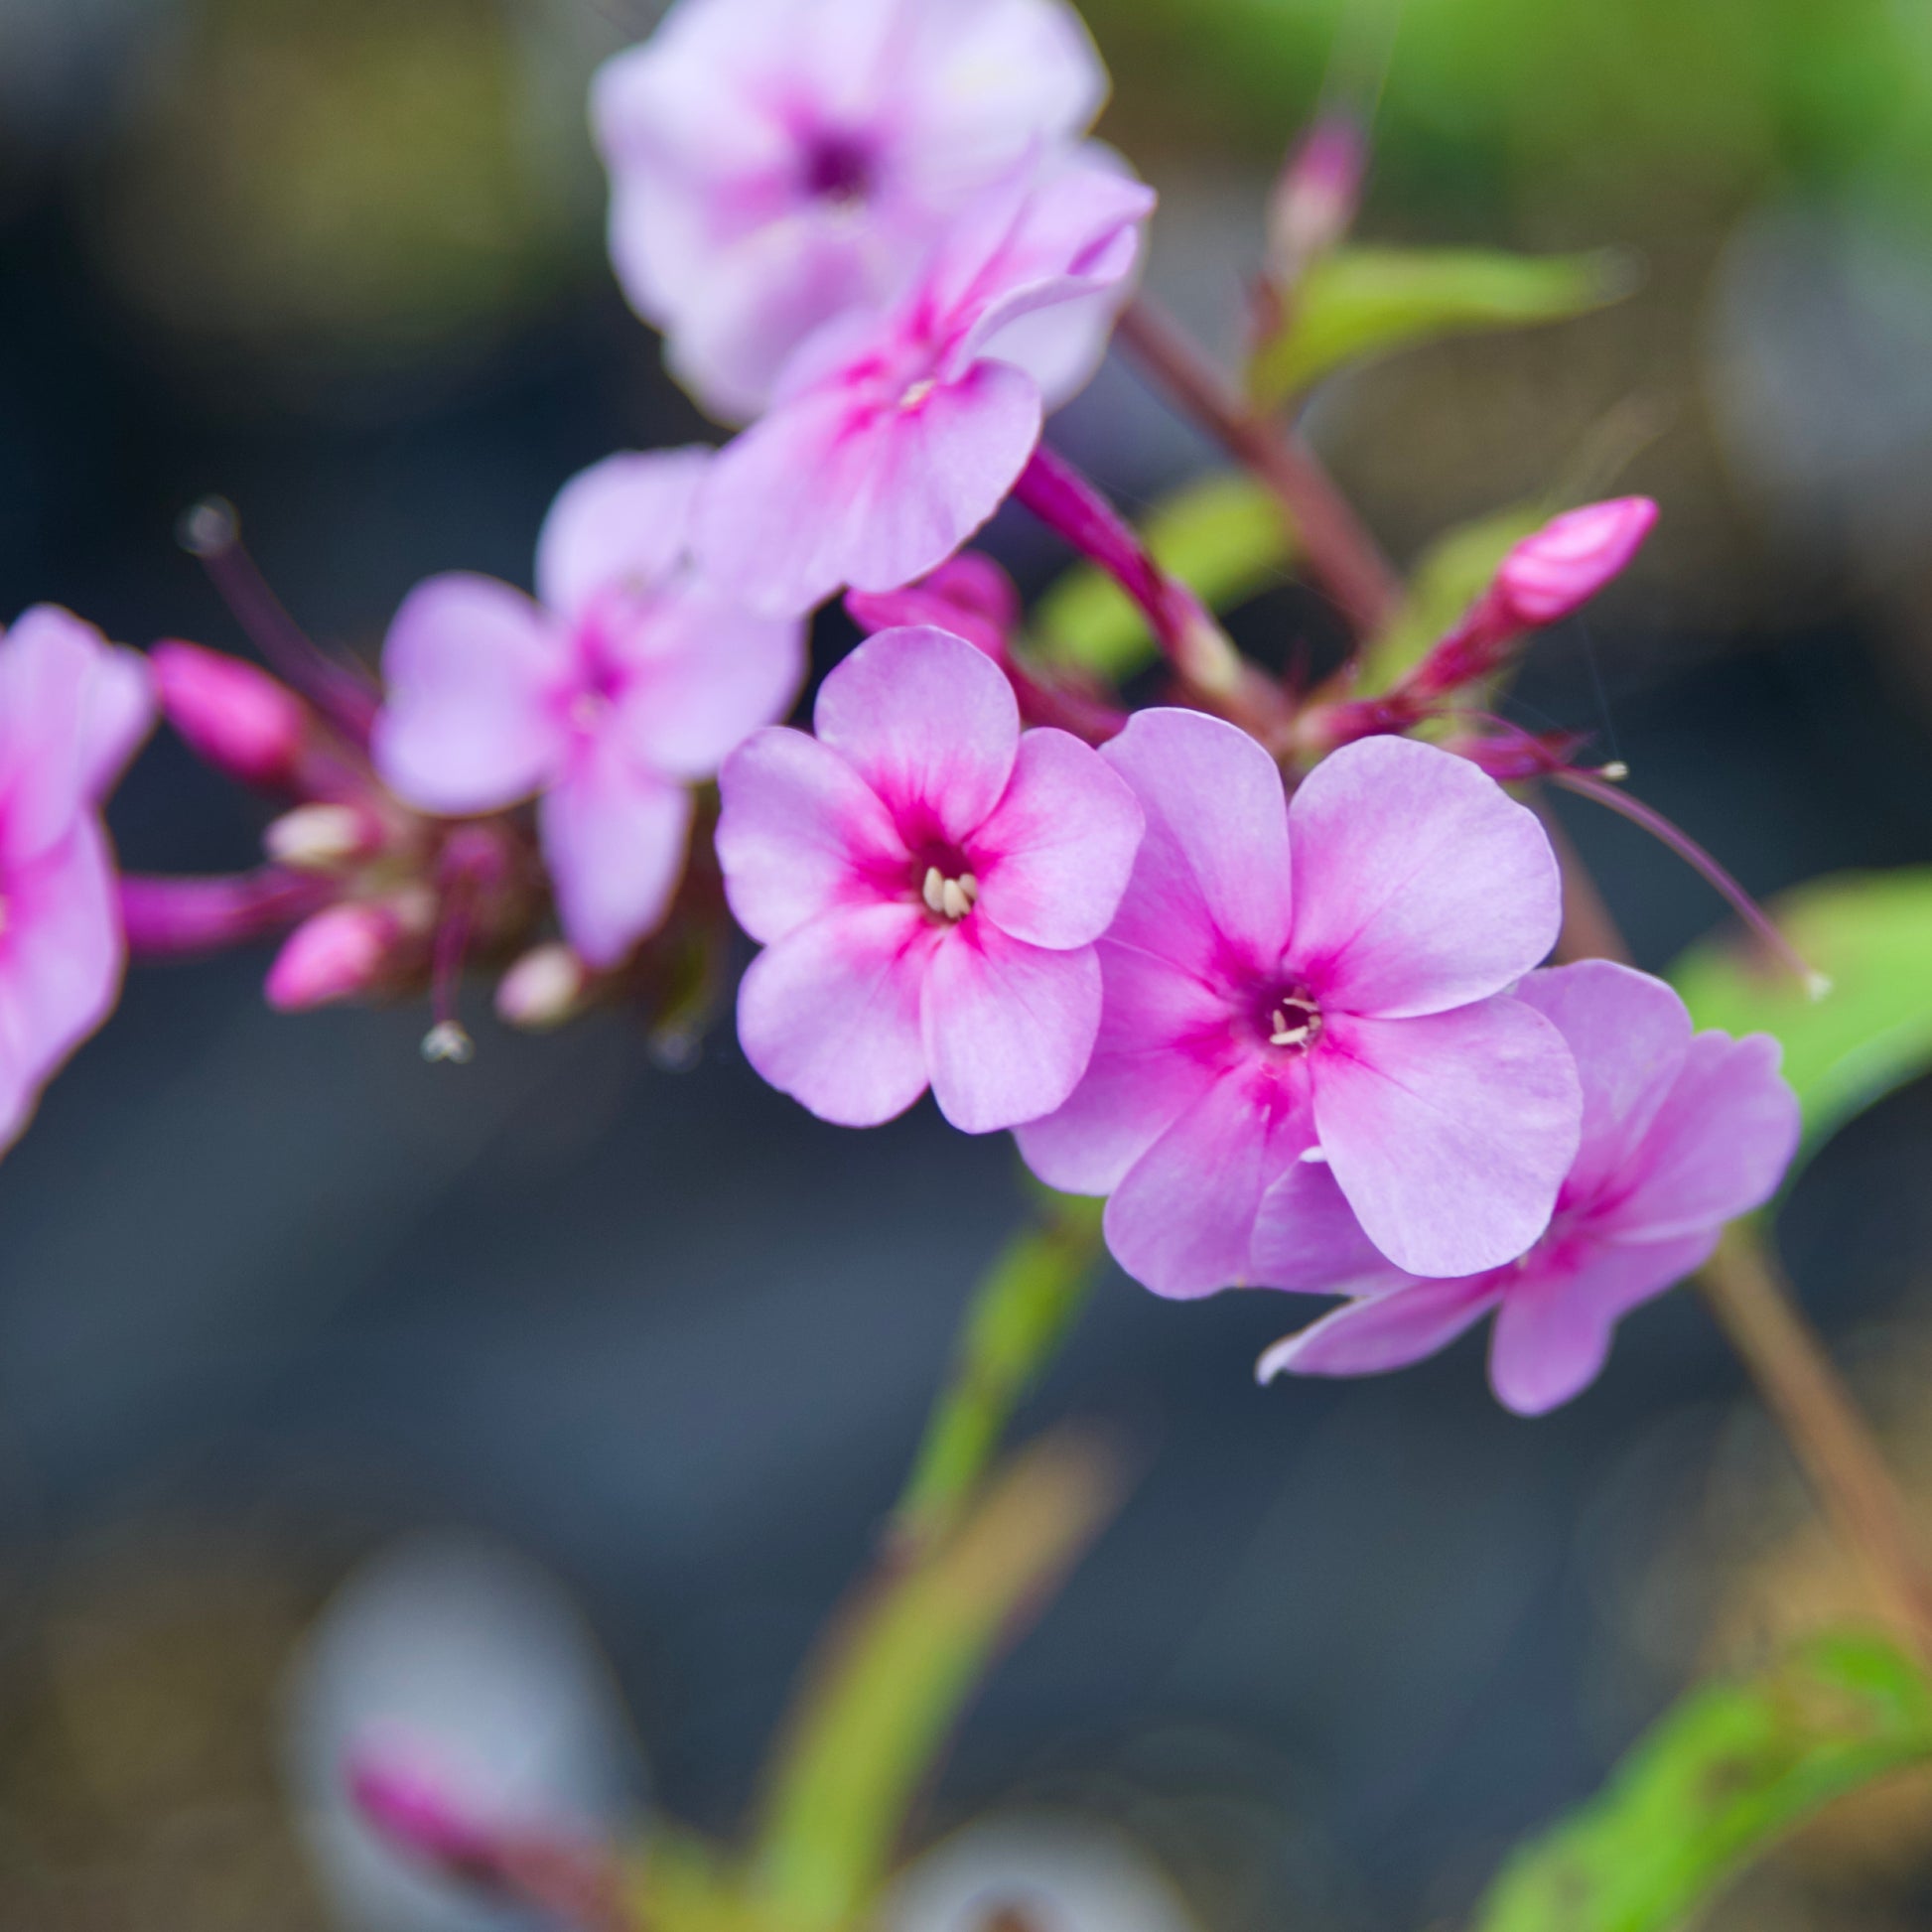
550, 1402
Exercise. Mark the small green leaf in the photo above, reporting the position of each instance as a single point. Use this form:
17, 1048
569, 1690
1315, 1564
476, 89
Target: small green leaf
1225, 536
1363, 302
1451, 573
1870, 935
880, 1705
1725, 1773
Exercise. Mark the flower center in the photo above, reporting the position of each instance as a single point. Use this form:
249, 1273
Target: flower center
915, 393
949, 899
1293, 1022
838, 169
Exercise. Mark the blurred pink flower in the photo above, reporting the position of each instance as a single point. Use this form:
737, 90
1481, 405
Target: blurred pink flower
893, 437
1681, 1134
774, 163
626, 683
928, 883
1259, 1040
73, 710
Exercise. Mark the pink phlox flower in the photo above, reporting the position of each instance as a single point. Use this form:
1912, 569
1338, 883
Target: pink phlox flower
1682, 1131
1308, 1052
892, 437
775, 163
625, 682
929, 883
72, 711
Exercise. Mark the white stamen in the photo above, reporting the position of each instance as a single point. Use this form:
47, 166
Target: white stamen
949, 899
1289, 1035
1313, 1157
916, 392
954, 899
447, 1040
934, 890
970, 887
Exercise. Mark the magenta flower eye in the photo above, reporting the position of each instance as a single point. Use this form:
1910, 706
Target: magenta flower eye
839, 169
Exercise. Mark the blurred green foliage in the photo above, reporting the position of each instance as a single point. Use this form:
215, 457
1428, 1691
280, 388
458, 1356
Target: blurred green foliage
1731, 1767
1871, 933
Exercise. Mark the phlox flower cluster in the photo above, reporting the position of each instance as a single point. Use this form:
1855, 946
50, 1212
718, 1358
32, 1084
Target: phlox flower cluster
1276, 988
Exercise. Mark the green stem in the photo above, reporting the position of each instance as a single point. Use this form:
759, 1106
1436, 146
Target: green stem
1020, 1314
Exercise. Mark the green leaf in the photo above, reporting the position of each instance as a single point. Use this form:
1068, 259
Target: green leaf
1363, 302
877, 1708
1019, 1312
1451, 573
1714, 1783
1871, 933
1225, 536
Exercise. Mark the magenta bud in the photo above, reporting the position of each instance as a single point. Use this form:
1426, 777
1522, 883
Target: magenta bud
410, 1807
183, 918
1567, 562
968, 595
338, 953
238, 719
1316, 196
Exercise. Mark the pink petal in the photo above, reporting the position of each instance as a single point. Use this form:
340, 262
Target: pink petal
61, 958
929, 723
1162, 1042
799, 833
1053, 859
466, 727
615, 839
841, 487
1183, 1221
1307, 1240
1553, 1330
1718, 1146
830, 1014
1449, 1134
73, 710
1628, 1034
703, 674
1213, 866
1420, 884
1008, 1027
1392, 1330
622, 524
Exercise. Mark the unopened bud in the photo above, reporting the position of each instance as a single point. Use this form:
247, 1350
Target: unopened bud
413, 1810
543, 989
969, 595
238, 719
1315, 197
343, 951
1567, 562
318, 838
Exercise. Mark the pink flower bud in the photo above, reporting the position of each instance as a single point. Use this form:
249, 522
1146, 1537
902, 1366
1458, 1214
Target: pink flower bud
1567, 562
968, 595
543, 989
238, 719
410, 1807
1315, 197
340, 952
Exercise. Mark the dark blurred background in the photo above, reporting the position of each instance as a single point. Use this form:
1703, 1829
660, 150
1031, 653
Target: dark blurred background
287, 1317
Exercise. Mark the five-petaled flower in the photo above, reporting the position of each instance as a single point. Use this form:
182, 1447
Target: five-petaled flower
627, 682
73, 710
895, 435
1682, 1131
775, 163
929, 883
1315, 988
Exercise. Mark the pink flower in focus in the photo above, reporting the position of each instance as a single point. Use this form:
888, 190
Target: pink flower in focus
775, 163
893, 437
628, 681
928, 883
1307, 1021
1682, 1133
73, 710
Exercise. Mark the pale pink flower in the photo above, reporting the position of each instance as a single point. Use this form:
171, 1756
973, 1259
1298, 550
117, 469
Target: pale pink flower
775, 163
892, 437
73, 710
1312, 989
929, 883
626, 682
1682, 1133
